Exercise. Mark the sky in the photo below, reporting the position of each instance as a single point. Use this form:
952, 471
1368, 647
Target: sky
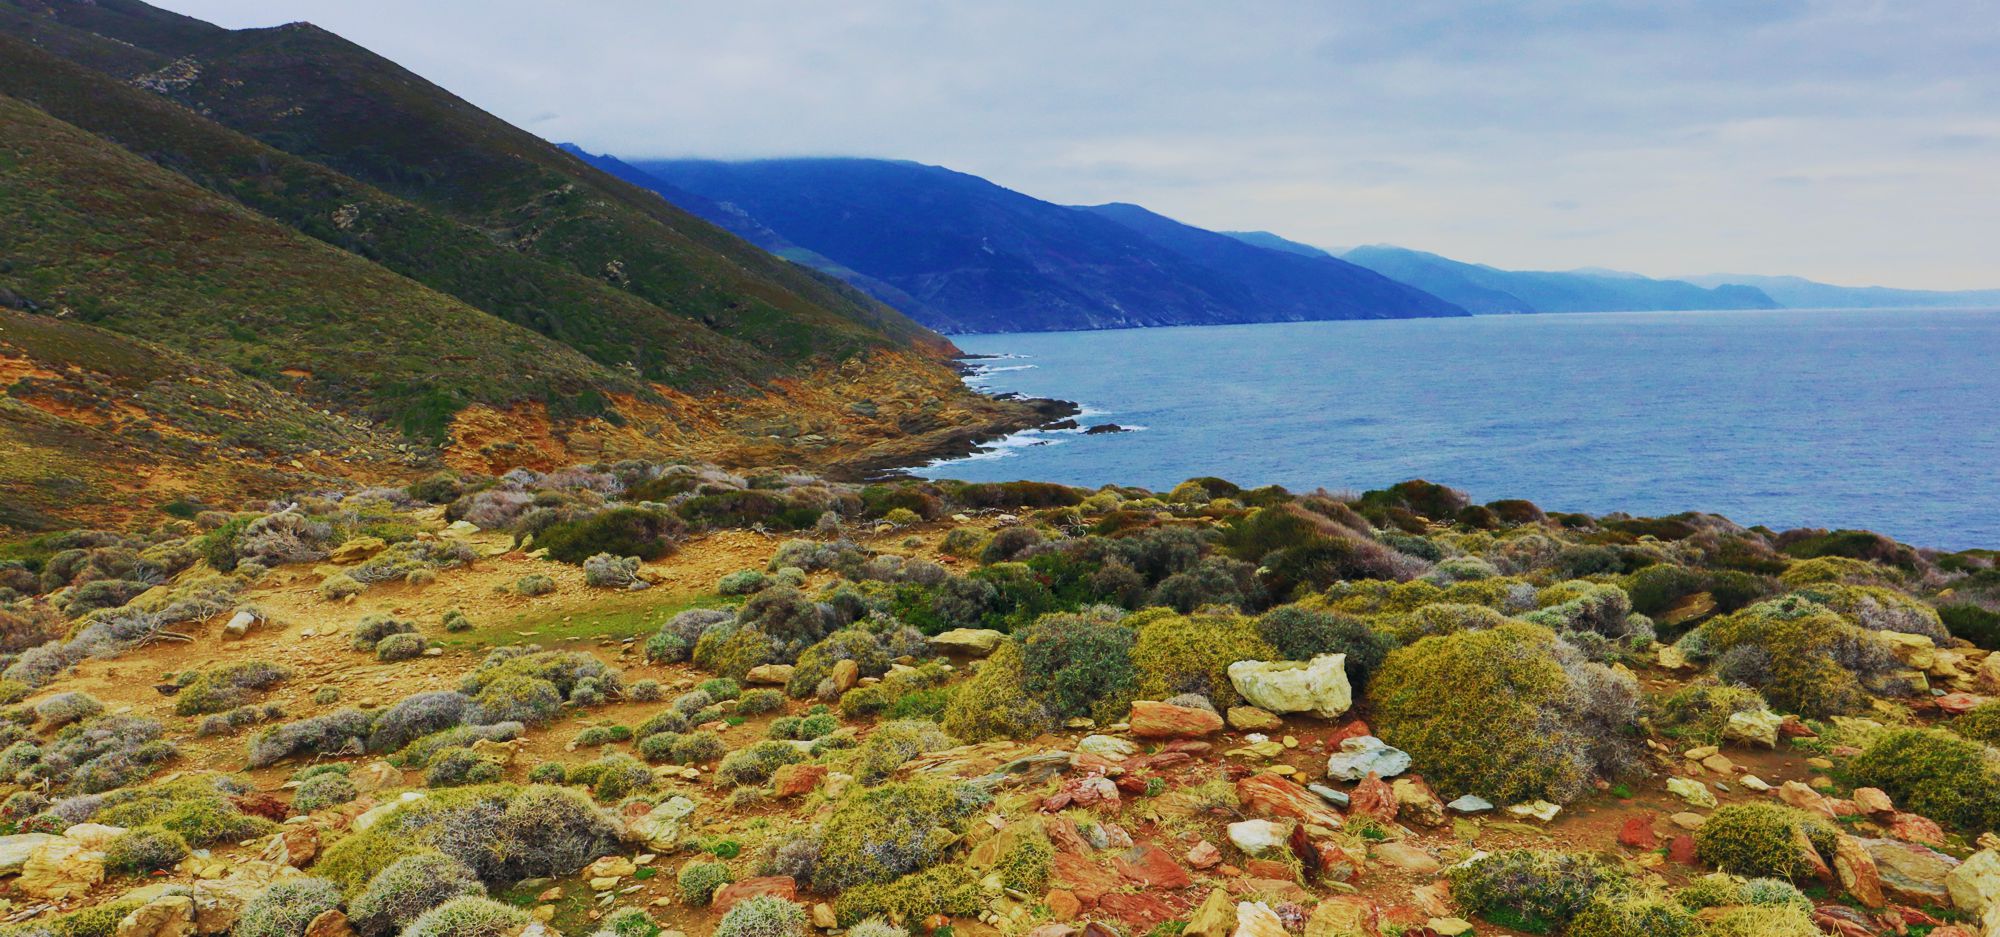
1850, 142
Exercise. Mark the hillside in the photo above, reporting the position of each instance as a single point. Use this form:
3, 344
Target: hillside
995, 710
1489, 290
1801, 293
964, 255
238, 198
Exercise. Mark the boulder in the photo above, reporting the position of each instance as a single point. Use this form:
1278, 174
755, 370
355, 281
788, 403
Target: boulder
1256, 919
1318, 686
329, 923
1975, 885
1216, 917
165, 916
1416, 802
797, 780
769, 675
660, 829
15, 849
1695, 793
376, 776
1373, 797
1107, 747
1273, 796
1257, 837
1364, 755
1252, 719
239, 625
1858, 872
1154, 720
1912, 874
1756, 727
1152, 866
845, 674
356, 549
60, 869
970, 642
728, 895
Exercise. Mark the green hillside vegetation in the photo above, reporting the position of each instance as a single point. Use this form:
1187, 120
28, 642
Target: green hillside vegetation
100, 236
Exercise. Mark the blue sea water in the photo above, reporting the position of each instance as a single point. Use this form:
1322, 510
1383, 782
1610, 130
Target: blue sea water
1877, 419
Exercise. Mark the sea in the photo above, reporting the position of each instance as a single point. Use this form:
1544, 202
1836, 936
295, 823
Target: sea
1886, 420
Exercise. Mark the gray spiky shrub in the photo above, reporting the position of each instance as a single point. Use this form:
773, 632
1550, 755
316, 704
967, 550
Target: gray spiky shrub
416, 716
323, 790
285, 908
468, 916
340, 731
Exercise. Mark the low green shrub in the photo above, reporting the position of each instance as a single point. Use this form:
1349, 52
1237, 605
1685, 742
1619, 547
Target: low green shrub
1535, 890
1762, 839
1934, 773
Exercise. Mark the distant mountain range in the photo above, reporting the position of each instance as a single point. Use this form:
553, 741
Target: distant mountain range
1489, 290
1801, 293
961, 254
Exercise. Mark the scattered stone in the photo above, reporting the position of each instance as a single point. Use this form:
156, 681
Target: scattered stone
1373, 797
1404, 856
1107, 747
970, 642
1252, 719
15, 849
1681, 849
797, 780
660, 829
1256, 919
1216, 917
1857, 871
1688, 821
1637, 833
1063, 904
1535, 809
1873, 801
1257, 837
1756, 727
59, 869
1755, 783
728, 895
1363, 755
1344, 916
1155, 720
1912, 874
239, 625
165, 916
1318, 686
845, 674
1470, 804
329, 923
1975, 885
1805, 798
1331, 796
1148, 864
1695, 793
1274, 796
1416, 802
769, 675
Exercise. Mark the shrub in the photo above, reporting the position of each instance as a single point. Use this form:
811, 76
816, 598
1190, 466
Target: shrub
339, 586
950, 890
1934, 773
698, 748
994, 704
64, 708
613, 777
467, 916
1516, 725
1803, 657
1080, 664
227, 686
893, 744
407, 888
400, 647
742, 582
759, 701
324, 790
1636, 916
534, 584
284, 908
1762, 839
1781, 921
416, 716
1980, 724
763, 916
720, 688
786, 615
145, 850
373, 628
610, 571
1303, 634
420, 752
1191, 654
504, 834
884, 833
635, 532
1533, 889
196, 808
734, 651
755, 763
699, 880
343, 731
1592, 608
1701, 710
816, 663
453, 767
516, 698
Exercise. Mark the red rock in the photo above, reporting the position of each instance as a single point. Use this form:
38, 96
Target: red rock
1637, 833
329, 923
1093, 764
1858, 873
1958, 704
1273, 796
1270, 889
1681, 849
1910, 827
260, 804
1810, 855
1082, 876
1267, 868
1204, 855
1148, 864
1792, 728
1131, 784
1155, 720
1156, 762
728, 895
1140, 911
1352, 730
1189, 747
1373, 797
1873, 801
1063, 835
1063, 904
798, 780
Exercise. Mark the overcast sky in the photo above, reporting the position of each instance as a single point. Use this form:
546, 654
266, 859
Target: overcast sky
1852, 142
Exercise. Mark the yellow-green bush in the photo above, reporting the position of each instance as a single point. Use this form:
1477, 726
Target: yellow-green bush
1490, 712
1636, 916
1766, 921
1804, 657
1178, 654
1832, 569
951, 890
1934, 773
1762, 839
881, 834
1439, 618
995, 704
1701, 710
1981, 724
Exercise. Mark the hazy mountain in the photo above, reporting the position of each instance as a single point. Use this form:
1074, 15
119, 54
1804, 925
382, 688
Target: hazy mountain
1801, 293
1490, 290
964, 255
1276, 243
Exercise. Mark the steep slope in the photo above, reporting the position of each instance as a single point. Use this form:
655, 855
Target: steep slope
976, 257
1286, 284
1801, 293
1277, 243
308, 92
1490, 290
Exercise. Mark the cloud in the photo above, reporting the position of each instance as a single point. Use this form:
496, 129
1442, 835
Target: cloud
1494, 132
